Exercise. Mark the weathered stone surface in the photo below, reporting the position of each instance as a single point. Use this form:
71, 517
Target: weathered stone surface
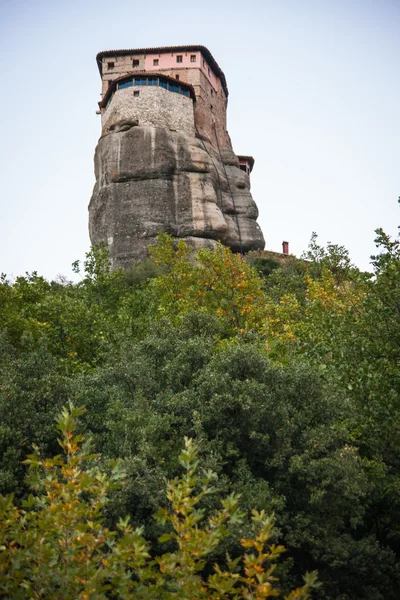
152, 106
151, 179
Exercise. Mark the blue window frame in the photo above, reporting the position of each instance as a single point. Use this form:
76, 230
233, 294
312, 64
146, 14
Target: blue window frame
125, 84
173, 87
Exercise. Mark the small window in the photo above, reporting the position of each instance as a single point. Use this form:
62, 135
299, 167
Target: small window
177, 77
136, 93
135, 62
155, 62
204, 63
173, 87
179, 58
125, 84
110, 65
209, 72
192, 58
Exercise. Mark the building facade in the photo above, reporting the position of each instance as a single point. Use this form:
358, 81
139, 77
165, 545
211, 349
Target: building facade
190, 71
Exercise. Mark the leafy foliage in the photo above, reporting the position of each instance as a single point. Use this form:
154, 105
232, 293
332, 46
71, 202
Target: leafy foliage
286, 377
56, 546
218, 282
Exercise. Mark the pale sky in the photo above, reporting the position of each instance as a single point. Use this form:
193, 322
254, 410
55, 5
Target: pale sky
314, 97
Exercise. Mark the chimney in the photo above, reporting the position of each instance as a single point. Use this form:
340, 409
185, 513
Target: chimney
285, 247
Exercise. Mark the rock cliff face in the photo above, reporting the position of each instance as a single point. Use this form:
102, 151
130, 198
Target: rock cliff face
151, 179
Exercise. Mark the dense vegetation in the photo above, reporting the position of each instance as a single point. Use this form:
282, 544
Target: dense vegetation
285, 375
56, 545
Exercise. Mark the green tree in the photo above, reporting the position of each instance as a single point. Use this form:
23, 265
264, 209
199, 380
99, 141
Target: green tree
348, 328
56, 545
216, 282
294, 402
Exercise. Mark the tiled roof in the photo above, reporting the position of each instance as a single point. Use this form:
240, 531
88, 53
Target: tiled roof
113, 84
161, 50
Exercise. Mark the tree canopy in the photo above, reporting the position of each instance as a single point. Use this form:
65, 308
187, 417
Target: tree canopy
286, 377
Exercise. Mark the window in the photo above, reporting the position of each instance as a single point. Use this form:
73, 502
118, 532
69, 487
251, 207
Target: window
177, 77
155, 62
110, 65
192, 58
204, 63
125, 84
135, 62
172, 86
209, 72
179, 58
